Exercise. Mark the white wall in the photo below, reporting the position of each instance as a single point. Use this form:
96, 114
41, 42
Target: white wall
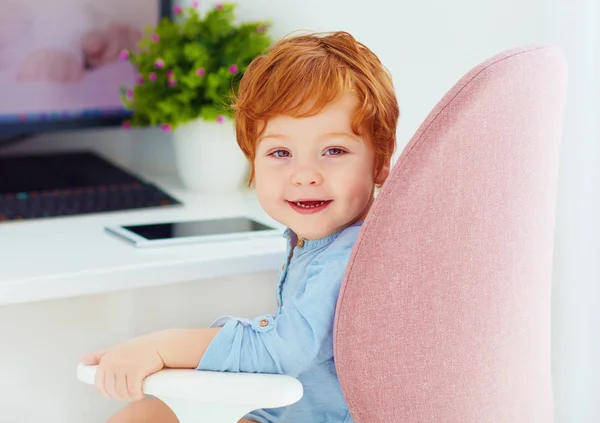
576, 315
428, 45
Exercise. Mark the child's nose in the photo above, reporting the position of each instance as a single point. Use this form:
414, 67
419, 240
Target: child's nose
307, 176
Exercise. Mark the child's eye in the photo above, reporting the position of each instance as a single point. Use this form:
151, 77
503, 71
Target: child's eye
334, 151
280, 153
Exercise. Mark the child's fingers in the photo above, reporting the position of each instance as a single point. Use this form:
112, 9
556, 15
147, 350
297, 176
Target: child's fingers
110, 382
120, 387
74, 71
114, 47
99, 382
93, 358
134, 387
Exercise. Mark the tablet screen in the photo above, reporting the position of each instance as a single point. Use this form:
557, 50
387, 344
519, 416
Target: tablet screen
172, 230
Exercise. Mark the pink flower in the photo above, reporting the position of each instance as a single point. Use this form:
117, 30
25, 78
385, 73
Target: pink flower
130, 94
155, 38
126, 125
160, 63
219, 6
169, 73
195, 4
220, 118
178, 9
165, 127
152, 76
124, 55
172, 82
233, 69
140, 79
200, 72
261, 28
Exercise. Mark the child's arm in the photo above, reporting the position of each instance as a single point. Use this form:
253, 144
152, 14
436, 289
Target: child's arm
123, 368
184, 348
287, 344
293, 340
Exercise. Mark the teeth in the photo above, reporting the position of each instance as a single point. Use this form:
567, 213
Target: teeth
306, 206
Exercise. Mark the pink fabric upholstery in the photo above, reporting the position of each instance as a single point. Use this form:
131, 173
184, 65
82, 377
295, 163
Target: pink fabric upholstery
444, 316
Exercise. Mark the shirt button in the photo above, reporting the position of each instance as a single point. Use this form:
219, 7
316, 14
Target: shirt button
282, 266
300, 243
264, 322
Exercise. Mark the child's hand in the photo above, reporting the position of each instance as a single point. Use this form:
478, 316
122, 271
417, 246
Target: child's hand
122, 369
104, 47
50, 65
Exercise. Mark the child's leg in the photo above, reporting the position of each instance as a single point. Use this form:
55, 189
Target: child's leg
149, 410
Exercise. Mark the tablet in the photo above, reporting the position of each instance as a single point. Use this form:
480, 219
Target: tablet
192, 231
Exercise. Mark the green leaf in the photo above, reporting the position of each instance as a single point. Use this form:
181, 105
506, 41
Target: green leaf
212, 42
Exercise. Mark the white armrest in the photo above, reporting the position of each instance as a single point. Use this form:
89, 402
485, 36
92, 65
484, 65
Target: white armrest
245, 391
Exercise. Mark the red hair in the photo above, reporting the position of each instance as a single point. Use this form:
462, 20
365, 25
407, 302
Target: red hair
299, 76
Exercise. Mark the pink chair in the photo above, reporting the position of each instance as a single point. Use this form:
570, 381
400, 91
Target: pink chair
444, 315
445, 312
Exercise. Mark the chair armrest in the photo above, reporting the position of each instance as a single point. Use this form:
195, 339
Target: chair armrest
223, 388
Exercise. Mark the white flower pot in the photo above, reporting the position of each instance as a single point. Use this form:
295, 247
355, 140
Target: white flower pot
208, 157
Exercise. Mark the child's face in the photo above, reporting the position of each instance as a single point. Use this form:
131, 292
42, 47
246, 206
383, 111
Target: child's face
313, 174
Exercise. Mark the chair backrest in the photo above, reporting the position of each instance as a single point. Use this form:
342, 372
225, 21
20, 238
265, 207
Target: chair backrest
444, 314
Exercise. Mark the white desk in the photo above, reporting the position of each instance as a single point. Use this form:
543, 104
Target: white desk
68, 287
71, 256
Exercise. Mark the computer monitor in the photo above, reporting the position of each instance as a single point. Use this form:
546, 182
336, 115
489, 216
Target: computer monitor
60, 65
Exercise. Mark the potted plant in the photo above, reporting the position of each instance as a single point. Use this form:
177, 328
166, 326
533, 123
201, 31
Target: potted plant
188, 67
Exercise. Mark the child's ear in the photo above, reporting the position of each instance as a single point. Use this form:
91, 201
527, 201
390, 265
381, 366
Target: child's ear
382, 175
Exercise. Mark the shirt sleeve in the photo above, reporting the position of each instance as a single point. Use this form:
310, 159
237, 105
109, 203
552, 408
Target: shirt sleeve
291, 341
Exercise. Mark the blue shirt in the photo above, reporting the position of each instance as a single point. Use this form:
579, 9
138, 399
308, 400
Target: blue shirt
298, 339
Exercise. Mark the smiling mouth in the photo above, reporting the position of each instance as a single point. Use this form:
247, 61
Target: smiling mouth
310, 204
